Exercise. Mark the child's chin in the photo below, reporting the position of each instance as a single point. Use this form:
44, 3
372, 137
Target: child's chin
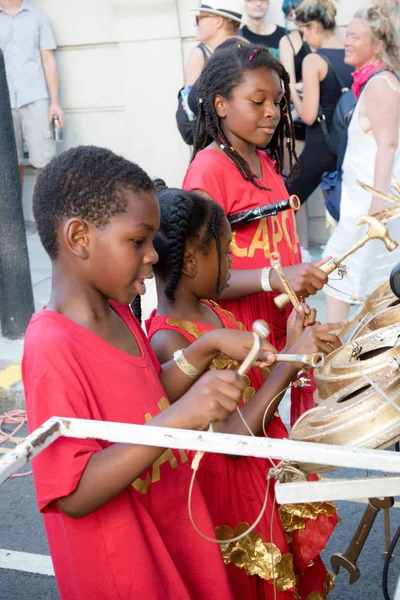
140, 288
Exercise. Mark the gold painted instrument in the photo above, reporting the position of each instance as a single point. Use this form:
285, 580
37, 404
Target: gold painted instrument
355, 415
309, 360
381, 317
382, 297
367, 353
289, 291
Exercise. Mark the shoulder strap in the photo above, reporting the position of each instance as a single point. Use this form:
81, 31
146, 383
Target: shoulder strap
377, 72
290, 42
343, 87
205, 51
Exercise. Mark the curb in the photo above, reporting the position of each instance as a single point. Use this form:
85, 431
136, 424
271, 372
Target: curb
12, 395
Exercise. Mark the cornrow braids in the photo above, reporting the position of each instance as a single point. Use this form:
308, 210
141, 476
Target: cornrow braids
221, 74
181, 209
136, 307
184, 217
216, 237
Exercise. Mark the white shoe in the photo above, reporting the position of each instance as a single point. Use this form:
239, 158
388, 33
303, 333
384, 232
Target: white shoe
306, 255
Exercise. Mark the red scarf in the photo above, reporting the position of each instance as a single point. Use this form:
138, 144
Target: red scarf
362, 75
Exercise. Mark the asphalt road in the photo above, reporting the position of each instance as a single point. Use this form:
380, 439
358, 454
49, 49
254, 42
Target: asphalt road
22, 530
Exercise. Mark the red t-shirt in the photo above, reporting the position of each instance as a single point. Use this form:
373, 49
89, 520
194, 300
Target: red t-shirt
252, 244
141, 544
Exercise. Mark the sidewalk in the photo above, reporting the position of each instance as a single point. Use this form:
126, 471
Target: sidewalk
11, 389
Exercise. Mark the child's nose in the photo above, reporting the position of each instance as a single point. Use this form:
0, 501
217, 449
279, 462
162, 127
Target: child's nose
152, 257
272, 110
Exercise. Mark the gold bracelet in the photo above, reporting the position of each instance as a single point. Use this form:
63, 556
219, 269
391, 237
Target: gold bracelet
185, 365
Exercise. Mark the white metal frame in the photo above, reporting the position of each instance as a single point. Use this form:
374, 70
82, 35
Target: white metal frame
288, 450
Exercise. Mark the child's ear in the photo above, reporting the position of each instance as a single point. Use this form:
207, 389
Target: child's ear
76, 237
189, 266
220, 106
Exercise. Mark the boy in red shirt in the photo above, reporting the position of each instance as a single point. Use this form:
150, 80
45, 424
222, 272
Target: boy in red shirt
116, 514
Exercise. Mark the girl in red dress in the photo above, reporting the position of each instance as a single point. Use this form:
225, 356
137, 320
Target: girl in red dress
194, 262
243, 98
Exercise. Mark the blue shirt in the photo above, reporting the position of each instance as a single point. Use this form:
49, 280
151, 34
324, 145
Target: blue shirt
22, 37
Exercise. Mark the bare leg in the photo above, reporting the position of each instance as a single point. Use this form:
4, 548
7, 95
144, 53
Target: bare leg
21, 175
337, 309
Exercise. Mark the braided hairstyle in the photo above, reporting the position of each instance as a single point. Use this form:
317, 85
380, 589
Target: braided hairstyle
222, 73
184, 217
136, 307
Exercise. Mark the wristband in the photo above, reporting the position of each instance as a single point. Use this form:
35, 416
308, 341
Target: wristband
265, 284
185, 366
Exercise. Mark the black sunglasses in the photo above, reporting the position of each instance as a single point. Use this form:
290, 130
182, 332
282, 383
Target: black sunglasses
199, 17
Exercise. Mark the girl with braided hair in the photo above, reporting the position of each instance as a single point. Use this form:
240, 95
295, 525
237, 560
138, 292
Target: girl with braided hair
194, 251
243, 106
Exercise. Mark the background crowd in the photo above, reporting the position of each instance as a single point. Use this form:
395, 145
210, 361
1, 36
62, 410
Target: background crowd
324, 63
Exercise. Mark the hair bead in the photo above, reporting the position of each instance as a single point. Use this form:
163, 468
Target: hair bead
254, 54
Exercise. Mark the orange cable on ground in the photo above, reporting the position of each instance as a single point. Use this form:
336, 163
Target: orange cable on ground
17, 418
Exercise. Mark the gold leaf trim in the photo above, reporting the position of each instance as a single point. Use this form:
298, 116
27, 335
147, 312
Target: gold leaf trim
187, 326
220, 362
228, 314
293, 515
257, 557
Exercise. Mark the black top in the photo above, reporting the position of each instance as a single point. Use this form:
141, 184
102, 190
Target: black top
299, 57
329, 89
298, 60
269, 41
206, 52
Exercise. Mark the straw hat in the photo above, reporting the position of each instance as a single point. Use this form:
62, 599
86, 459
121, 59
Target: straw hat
230, 9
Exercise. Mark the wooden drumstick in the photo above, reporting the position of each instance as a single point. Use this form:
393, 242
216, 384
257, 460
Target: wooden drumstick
290, 294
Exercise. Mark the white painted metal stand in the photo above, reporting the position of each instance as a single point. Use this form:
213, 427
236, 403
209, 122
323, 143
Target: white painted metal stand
288, 493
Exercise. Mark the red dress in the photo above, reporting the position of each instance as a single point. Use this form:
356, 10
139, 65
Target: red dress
141, 544
252, 244
234, 490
